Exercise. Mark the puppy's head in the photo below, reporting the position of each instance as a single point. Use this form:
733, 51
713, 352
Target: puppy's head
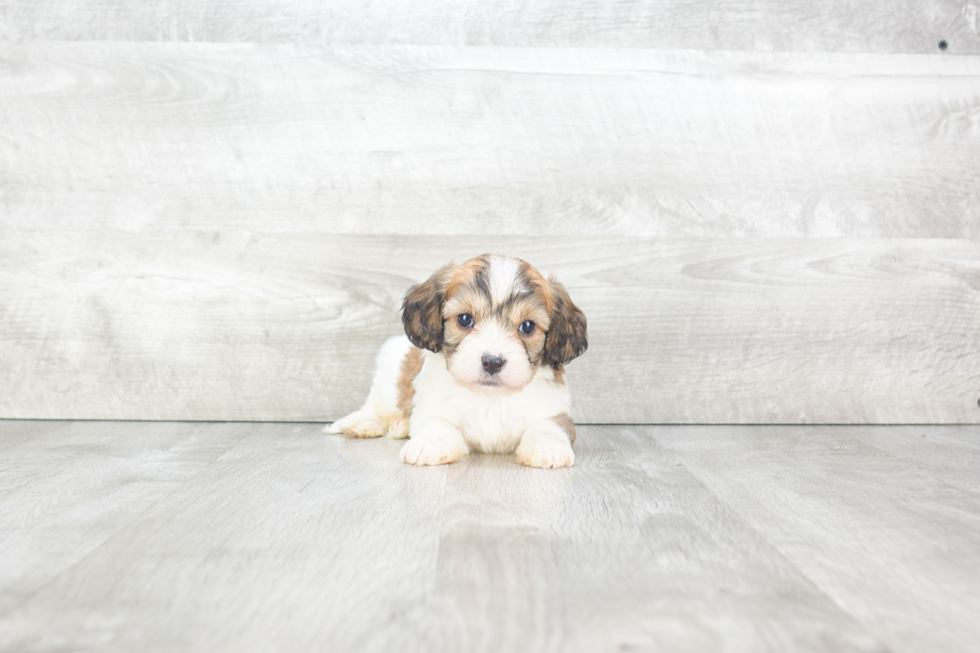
497, 320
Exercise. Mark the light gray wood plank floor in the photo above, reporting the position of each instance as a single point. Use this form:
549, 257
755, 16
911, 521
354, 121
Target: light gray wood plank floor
123, 536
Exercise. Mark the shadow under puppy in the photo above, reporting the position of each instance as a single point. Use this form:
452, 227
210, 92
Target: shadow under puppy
482, 368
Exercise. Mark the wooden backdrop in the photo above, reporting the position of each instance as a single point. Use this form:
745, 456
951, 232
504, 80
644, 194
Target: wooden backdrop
769, 210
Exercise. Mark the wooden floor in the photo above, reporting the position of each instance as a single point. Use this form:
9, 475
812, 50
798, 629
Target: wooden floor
123, 536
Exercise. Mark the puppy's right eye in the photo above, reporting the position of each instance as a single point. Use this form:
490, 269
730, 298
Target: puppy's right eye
464, 320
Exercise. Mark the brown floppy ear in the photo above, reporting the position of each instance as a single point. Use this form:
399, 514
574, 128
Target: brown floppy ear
422, 311
568, 335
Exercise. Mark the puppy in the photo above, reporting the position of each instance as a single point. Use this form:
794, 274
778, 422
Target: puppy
482, 368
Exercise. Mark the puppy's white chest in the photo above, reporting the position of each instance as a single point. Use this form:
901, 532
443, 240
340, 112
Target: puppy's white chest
493, 425
488, 423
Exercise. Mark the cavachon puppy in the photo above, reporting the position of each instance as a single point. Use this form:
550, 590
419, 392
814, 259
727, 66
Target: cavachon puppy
482, 368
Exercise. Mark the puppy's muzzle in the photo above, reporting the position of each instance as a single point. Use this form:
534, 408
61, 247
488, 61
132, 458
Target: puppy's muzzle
492, 364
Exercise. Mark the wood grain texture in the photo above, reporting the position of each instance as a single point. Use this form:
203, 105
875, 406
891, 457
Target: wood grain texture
293, 540
850, 515
793, 25
289, 541
199, 325
68, 487
624, 552
470, 141
950, 454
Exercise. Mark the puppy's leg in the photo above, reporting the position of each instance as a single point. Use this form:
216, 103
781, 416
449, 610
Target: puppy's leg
363, 423
548, 443
380, 413
434, 443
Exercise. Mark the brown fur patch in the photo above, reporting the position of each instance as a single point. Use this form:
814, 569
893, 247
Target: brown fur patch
568, 336
411, 365
422, 310
559, 375
531, 308
567, 425
466, 273
534, 279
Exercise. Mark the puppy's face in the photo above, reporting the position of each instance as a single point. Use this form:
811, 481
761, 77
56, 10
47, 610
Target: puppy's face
497, 320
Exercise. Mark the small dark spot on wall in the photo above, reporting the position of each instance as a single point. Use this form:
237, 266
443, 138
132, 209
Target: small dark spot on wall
943, 45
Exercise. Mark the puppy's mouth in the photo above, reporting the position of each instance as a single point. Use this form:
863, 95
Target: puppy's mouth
494, 386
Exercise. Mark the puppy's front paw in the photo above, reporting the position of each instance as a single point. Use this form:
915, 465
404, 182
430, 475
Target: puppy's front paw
545, 450
432, 451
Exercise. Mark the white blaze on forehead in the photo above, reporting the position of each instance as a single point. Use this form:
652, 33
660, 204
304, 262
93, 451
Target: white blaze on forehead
502, 278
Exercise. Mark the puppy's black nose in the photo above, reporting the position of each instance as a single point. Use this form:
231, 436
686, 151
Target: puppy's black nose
492, 364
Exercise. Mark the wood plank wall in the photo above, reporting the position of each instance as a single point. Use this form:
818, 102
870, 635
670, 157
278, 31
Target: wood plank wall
763, 25
770, 211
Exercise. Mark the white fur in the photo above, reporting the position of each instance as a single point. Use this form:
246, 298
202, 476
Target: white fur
545, 444
494, 339
502, 277
380, 414
449, 419
488, 422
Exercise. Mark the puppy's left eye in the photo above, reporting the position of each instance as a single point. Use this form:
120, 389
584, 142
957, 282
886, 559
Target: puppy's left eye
527, 327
